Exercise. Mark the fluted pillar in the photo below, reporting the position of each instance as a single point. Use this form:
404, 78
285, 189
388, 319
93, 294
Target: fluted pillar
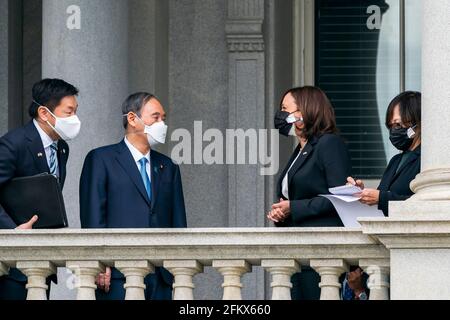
434, 181
183, 272
37, 273
232, 271
86, 273
135, 272
281, 271
329, 270
378, 283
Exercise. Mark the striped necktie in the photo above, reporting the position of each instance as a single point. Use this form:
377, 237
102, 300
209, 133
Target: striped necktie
53, 158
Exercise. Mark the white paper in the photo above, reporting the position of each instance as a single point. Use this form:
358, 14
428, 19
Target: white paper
347, 190
349, 208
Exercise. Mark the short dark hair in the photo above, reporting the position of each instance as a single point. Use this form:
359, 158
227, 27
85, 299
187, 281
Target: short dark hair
49, 93
318, 113
134, 103
410, 108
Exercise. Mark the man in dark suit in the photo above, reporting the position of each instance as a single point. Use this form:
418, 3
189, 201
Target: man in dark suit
38, 147
130, 185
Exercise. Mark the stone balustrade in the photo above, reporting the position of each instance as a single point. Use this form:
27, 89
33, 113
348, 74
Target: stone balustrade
185, 252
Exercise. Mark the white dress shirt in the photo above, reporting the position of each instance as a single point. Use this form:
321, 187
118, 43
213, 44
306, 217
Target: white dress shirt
137, 156
285, 182
46, 142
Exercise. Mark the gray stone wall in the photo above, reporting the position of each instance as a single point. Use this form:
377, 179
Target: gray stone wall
4, 66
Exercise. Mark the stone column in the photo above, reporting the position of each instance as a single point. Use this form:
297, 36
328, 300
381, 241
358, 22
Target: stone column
183, 272
94, 58
434, 181
281, 271
330, 270
4, 64
378, 271
232, 271
246, 110
11, 64
86, 272
416, 250
37, 273
135, 272
4, 269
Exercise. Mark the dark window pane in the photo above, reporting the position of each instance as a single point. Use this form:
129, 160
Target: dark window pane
347, 56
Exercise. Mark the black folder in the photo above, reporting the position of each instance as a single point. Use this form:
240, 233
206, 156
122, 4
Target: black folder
41, 195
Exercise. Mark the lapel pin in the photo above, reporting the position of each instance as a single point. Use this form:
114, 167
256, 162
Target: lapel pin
161, 167
64, 151
39, 155
305, 153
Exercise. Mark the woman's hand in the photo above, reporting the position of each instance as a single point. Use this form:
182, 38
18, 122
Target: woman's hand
353, 182
370, 197
280, 211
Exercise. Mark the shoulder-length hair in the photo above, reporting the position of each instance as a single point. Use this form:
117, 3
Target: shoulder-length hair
410, 104
318, 113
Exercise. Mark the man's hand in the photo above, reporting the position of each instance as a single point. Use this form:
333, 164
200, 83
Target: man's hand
280, 211
103, 280
353, 182
370, 197
29, 224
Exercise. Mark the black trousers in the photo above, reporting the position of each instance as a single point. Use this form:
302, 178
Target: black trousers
305, 285
13, 290
156, 289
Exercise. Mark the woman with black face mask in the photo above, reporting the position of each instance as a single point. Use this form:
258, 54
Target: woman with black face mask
320, 161
403, 121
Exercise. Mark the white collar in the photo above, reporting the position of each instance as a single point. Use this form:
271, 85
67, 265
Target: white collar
137, 155
46, 140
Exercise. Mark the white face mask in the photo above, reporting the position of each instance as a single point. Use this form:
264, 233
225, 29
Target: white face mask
67, 128
156, 133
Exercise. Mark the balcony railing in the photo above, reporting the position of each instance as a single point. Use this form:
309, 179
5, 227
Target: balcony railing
184, 252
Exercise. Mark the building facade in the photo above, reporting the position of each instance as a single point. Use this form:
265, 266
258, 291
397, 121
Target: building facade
227, 63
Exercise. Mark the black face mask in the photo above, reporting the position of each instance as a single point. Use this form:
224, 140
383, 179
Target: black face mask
401, 138
281, 123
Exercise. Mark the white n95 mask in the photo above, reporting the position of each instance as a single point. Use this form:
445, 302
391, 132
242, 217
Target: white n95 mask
67, 128
156, 133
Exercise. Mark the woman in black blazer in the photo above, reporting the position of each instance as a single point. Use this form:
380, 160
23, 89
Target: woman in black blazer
321, 161
403, 119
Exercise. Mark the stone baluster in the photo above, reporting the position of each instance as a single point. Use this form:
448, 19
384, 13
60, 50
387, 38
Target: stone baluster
86, 272
135, 272
329, 270
37, 273
232, 271
378, 283
281, 271
183, 272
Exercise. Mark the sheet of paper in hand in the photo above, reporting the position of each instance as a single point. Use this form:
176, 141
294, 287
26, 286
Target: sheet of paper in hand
348, 206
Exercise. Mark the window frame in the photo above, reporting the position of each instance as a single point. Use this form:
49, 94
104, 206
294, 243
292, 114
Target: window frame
304, 50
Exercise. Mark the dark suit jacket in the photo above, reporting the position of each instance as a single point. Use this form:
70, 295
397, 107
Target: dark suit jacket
324, 163
394, 185
19, 150
113, 195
